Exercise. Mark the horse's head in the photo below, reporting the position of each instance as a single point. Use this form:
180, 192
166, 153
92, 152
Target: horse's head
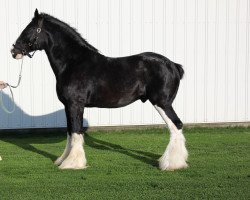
32, 38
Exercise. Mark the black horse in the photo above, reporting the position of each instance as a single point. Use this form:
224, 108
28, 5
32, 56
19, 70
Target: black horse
86, 78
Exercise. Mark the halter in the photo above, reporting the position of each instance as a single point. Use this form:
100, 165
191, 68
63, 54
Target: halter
34, 38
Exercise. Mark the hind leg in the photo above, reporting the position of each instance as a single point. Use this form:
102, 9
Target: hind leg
175, 155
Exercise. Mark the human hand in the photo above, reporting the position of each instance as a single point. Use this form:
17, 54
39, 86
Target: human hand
2, 85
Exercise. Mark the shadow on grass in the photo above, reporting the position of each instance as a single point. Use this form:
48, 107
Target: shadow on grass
146, 157
27, 140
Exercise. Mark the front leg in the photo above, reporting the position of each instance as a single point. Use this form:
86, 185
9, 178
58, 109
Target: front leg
76, 156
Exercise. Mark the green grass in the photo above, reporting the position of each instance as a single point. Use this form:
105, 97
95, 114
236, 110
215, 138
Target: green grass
123, 165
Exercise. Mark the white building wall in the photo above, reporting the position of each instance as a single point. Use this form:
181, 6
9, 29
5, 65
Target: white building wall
210, 38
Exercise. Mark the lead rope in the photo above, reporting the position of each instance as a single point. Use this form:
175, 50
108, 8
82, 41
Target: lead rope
12, 96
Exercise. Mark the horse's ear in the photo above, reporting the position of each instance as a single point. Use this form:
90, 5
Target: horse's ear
36, 14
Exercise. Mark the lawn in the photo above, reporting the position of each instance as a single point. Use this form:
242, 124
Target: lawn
123, 165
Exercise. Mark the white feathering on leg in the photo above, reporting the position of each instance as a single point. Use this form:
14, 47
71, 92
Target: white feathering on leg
76, 158
175, 155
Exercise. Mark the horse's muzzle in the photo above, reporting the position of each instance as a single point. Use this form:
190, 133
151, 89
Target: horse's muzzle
16, 53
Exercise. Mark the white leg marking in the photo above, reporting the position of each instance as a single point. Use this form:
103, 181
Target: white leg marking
175, 155
65, 152
76, 158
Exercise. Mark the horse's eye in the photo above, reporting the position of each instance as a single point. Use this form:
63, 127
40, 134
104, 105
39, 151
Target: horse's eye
30, 44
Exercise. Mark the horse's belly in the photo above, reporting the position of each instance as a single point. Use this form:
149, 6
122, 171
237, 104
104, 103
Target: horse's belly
116, 95
114, 100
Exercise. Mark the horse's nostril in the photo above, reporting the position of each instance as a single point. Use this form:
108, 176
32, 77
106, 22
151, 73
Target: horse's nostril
13, 52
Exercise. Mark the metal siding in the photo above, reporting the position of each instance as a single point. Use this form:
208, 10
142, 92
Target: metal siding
209, 37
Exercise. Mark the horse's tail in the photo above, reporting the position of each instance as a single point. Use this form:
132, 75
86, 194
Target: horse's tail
180, 70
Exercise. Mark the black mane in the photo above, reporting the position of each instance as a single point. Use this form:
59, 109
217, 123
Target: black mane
72, 31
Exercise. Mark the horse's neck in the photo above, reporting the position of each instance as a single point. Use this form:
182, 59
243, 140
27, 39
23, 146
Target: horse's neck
60, 53
56, 64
